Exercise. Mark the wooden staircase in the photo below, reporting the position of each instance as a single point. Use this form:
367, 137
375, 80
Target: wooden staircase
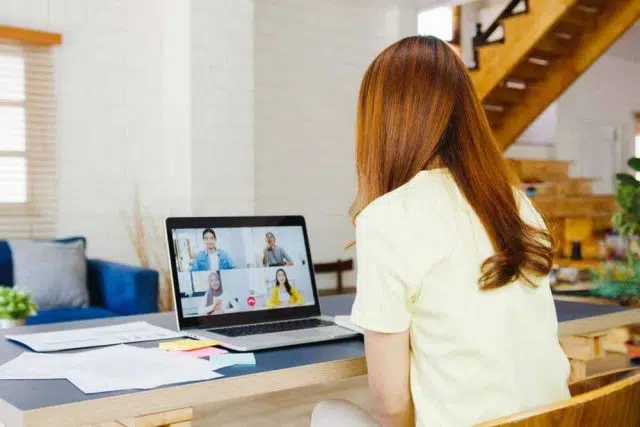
572, 212
545, 48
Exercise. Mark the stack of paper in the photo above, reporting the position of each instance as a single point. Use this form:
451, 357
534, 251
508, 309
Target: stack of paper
94, 337
112, 368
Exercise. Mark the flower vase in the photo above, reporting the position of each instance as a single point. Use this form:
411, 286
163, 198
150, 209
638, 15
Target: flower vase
11, 323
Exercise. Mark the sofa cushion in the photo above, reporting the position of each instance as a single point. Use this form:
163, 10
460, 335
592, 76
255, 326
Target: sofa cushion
6, 261
55, 274
56, 315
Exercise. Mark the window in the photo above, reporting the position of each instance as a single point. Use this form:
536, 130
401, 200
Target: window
27, 141
13, 165
437, 22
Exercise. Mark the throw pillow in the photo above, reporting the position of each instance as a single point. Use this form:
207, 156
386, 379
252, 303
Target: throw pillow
55, 274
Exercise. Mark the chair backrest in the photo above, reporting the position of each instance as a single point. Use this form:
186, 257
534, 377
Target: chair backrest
611, 399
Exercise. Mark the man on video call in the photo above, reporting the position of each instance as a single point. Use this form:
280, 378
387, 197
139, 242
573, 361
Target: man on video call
274, 256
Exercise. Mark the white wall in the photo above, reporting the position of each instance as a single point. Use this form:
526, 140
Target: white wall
146, 99
310, 58
110, 109
222, 107
606, 96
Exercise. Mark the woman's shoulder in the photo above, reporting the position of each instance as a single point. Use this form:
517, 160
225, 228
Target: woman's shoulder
425, 196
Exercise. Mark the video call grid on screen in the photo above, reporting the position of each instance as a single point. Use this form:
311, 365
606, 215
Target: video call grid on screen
240, 276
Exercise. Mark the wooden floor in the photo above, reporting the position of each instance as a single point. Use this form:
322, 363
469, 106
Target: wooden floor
284, 409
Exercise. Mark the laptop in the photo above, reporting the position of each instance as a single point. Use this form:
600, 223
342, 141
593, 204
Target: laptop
247, 282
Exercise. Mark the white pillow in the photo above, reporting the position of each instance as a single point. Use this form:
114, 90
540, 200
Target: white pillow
55, 274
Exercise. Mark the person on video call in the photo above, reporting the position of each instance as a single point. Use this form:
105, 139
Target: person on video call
213, 302
211, 258
283, 293
274, 255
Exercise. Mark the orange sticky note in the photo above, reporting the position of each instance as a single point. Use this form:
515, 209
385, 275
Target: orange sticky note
186, 345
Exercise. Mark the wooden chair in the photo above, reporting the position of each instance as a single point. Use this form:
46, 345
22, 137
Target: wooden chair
340, 266
607, 400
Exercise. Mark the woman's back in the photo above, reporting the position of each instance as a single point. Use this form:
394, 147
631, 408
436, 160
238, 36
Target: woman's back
475, 354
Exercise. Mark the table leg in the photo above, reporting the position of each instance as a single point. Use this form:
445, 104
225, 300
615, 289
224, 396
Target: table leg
596, 352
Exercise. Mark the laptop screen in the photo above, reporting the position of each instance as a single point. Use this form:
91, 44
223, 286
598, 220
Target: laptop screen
241, 269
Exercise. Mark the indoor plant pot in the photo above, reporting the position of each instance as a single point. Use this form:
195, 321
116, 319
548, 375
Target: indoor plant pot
11, 323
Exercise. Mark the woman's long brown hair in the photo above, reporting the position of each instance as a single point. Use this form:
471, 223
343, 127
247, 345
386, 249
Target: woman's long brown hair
418, 108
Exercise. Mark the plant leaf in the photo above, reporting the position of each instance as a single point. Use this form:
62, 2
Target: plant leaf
625, 178
634, 163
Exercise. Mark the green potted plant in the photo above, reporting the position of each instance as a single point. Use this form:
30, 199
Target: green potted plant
621, 279
15, 307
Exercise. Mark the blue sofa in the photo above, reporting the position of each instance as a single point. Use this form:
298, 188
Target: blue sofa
114, 289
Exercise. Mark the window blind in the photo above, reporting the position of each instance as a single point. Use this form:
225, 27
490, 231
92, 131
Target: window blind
28, 199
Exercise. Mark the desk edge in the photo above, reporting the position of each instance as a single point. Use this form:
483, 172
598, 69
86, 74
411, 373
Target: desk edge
190, 395
599, 323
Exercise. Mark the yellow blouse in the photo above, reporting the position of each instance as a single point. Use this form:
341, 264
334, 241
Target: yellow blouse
295, 298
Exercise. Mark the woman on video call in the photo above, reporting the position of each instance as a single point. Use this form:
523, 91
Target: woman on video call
453, 260
211, 258
213, 301
283, 293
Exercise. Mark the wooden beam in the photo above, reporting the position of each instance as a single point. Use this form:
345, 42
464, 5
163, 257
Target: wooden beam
522, 33
30, 37
612, 23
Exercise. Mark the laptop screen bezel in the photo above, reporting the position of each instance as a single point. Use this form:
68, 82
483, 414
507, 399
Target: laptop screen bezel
247, 317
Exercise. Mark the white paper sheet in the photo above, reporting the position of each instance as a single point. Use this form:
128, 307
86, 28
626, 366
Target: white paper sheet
223, 360
111, 368
94, 337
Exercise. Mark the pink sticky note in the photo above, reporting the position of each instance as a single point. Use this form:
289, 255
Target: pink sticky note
204, 352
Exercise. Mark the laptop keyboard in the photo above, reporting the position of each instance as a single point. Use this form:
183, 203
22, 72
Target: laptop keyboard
267, 328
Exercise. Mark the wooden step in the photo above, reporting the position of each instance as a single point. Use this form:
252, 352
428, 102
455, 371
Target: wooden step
593, 4
535, 171
553, 46
585, 263
566, 188
503, 95
566, 28
529, 71
579, 17
495, 117
575, 206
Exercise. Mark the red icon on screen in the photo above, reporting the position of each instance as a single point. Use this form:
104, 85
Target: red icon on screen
251, 301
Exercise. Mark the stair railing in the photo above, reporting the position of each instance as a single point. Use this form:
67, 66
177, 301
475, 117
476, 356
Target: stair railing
483, 37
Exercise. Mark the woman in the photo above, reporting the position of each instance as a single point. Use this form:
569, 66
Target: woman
283, 293
453, 260
211, 258
212, 302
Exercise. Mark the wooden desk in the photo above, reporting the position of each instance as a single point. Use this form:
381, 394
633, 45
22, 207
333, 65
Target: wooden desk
283, 382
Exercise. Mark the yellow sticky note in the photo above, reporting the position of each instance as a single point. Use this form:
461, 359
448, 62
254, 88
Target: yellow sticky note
185, 345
